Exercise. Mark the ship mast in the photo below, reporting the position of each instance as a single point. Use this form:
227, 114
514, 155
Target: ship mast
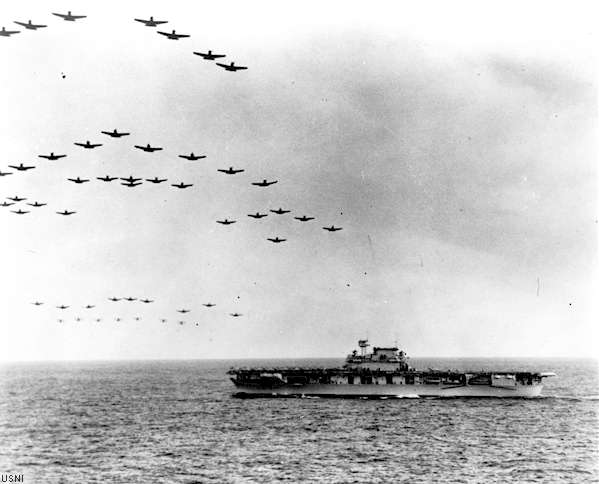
363, 344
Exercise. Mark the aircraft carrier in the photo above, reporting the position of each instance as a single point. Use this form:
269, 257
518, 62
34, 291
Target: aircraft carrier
383, 373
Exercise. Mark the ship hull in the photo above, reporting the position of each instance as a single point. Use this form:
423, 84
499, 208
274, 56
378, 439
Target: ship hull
390, 391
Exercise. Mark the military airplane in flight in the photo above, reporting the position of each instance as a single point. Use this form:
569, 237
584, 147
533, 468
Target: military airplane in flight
8, 33
183, 311
19, 212
78, 180
65, 212
280, 211
61, 320
182, 185
209, 305
173, 35
16, 198
147, 301
192, 157
130, 299
276, 240
21, 167
37, 303
52, 156
236, 315
265, 183
114, 134
230, 170
162, 320
332, 228
37, 204
225, 222
107, 178
151, 22
209, 55
6, 204
156, 180
231, 67
131, 184
69, 17
62, 306
303, 218
89, 306
130, 179
257, 215
4, 173
114, 299
148, 148
29, 26
88, 145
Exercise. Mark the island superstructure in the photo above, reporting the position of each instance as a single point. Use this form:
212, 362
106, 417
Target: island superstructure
383, 373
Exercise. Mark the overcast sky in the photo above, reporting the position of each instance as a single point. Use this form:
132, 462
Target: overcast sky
455, 145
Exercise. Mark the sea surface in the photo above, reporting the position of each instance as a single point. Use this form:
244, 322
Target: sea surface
175, 421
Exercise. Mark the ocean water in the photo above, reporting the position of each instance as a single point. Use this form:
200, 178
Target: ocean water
175, 421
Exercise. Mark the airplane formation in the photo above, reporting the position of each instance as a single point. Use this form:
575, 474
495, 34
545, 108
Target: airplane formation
63, 307
131, 181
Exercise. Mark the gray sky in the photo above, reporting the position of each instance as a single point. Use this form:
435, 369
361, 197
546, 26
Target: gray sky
456, 147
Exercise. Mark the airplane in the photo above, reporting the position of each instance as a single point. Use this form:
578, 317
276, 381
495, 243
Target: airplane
106, 178
21, 167
257, 215
156, 180
61, 320
5, 173
98, 320
62, 306
209, 305
6, 204
37, 303
163, 320
37, 204
192, 157
230, 171
173, 35
137, 318
280, 211
130, 298
78, 180
332, 228
51, 156
130, 179
147, 301
303, 218
89, 306
276, 240
183, 311
231, 67
151, 22
182, 185
209, 55
16, 198
148, 148
78, 319
29, 25
225, 222
88, 145
19, 212
236, 315
118, 320
114, 134
69, 17
114, 299
65, 212
264, 183
131, 185
181, 323
8, 33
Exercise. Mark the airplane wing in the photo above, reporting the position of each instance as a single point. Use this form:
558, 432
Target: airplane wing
141, 20
75, 17
160, 22
164, 33
23, 24
181, 36
61, 15
239, 68
222, 65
